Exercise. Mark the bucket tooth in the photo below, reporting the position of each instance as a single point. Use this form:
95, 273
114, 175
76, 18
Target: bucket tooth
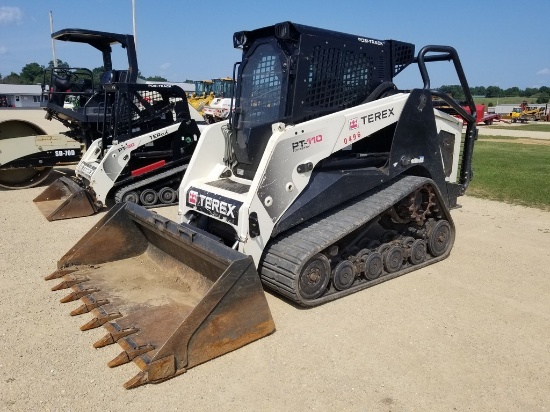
77, 293
115, 333
69, 281
101, 317
131, 351
89, 304
140, 379
59, 273
154, 372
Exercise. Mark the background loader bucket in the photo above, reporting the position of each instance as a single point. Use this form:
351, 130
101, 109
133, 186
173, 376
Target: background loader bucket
179, 296
65, 199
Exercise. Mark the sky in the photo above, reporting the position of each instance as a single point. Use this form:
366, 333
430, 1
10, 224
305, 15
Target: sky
500, 43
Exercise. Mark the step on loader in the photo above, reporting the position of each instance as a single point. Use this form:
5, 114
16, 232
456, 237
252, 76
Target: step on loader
139, 136
331, 180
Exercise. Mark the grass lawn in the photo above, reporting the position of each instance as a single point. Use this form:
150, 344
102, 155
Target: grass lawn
504, 100
512, 172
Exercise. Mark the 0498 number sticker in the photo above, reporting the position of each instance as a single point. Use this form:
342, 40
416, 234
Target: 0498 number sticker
352, 138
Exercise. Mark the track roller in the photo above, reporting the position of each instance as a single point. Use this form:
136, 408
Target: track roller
393, 258
374, 265
148, 197
343, 275
167, 195
314, 277
131, 197
440, 237
417, 250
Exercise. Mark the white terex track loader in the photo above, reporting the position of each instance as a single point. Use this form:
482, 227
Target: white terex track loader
331, 180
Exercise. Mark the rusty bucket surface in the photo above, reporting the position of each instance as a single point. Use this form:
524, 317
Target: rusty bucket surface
170, 295
65, 199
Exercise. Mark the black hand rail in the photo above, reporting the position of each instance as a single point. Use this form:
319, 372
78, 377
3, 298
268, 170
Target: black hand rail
447, 53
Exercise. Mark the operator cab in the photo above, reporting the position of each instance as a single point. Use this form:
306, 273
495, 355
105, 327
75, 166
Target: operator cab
81, 86
293, 73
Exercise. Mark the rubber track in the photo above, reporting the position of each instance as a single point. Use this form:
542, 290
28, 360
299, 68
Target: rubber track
125, 189
285, 255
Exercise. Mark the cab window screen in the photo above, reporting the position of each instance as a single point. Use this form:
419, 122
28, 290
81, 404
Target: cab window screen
262, 85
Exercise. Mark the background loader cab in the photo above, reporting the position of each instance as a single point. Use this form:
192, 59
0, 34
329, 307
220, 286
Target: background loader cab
85, 89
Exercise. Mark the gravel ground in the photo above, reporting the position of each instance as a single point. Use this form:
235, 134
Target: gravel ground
469, 333
501, 131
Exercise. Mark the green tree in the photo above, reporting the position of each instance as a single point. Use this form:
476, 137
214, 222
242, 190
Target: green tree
478, 90
543, 98
60, 63
32, 73
12, 78
494, 91
156, 79
96, 74
512, 92
453, 90
530, 91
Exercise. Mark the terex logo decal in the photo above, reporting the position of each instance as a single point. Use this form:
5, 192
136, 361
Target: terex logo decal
373, 117
304, 144
192, 197
214, 205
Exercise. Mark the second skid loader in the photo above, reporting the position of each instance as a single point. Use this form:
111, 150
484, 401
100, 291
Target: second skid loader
27, 153
141, 157
331, 180
139, 136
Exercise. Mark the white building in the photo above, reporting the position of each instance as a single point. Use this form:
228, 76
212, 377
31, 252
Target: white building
25, 96
20, 95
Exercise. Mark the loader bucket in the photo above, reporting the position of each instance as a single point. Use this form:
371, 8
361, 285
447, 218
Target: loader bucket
65, 199
170, 295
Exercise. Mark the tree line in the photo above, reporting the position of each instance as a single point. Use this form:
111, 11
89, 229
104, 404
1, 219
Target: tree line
33, 73
542, 94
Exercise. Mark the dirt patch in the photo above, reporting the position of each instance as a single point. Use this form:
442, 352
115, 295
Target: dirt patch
471, 332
